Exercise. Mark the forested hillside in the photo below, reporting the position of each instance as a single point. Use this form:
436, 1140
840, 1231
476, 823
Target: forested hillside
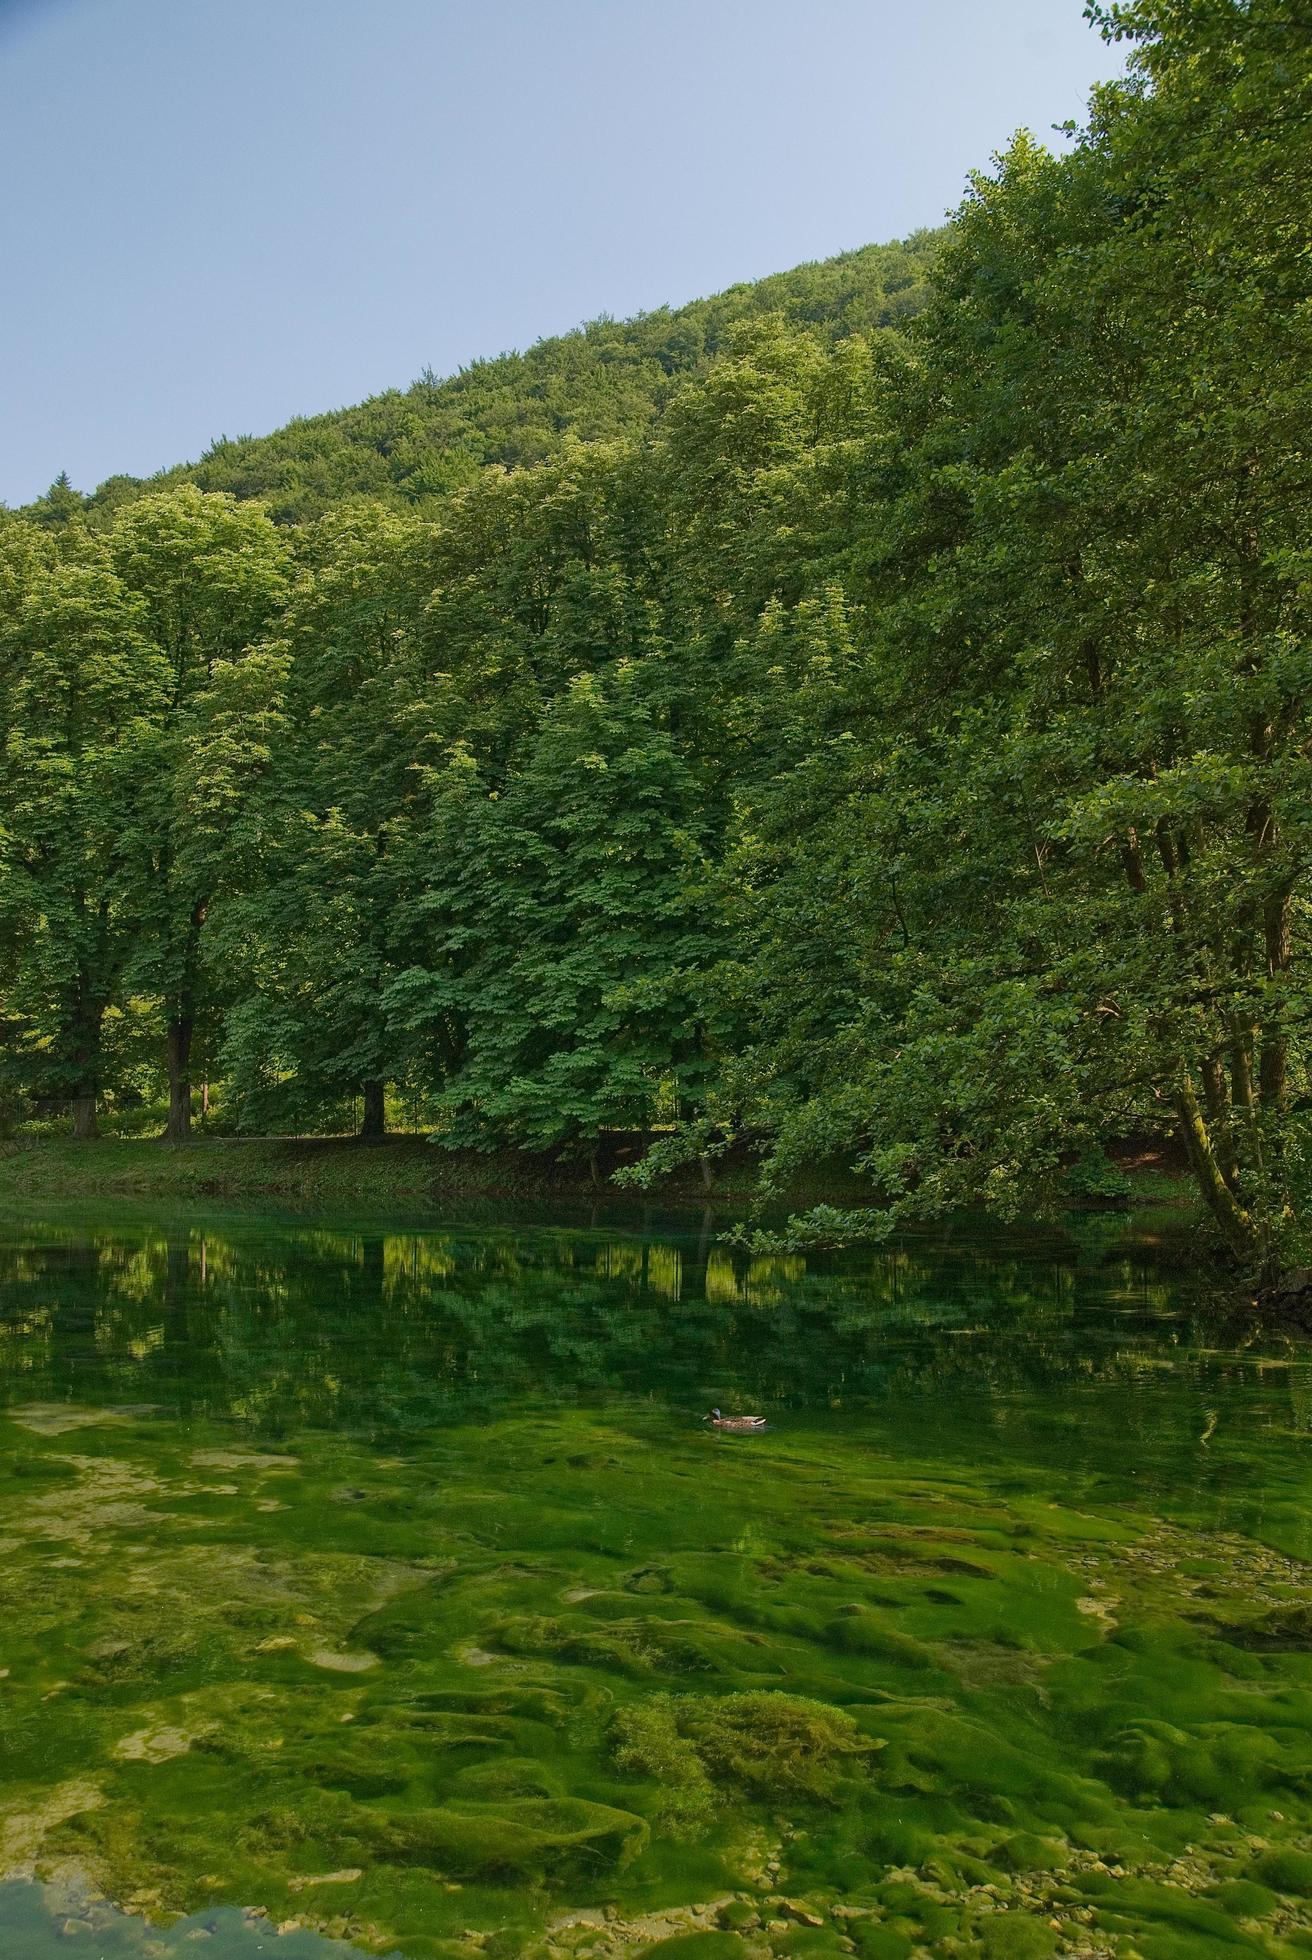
607, 381
867, 715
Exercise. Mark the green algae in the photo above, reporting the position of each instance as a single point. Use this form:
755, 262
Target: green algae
700, 1748
388, 1582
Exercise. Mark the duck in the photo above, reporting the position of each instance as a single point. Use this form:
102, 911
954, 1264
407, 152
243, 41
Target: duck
739, 1423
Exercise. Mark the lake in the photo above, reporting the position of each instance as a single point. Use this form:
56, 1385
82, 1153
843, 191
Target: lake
379, 1589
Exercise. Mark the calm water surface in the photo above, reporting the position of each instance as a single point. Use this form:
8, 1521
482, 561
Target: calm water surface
375, 1590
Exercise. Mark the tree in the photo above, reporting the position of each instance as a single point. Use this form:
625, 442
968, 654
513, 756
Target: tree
315, 929
605, 383
1081, 836
210, 577
85, 695
60, 505
570, 927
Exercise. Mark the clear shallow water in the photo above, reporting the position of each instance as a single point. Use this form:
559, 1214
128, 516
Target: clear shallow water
384, 1582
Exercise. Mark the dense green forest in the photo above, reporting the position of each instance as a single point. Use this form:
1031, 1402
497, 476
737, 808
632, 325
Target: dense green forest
608, 381
866, 714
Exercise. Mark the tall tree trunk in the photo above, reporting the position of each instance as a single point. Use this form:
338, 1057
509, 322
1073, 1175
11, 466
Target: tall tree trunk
1209, 1149
86, 1064
1236, 1225
181, 1028
373, 1124
179, 1054
1217, 1097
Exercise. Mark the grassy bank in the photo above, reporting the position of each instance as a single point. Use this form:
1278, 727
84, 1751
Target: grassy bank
407, 1171
317, 1170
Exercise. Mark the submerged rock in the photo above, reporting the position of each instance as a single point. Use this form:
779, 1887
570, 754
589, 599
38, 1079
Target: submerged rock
156, 1745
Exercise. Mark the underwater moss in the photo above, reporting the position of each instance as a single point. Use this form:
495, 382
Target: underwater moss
770, 1745
647, 1742
876, 1942
398, 1594
698, 1946
1026, 1853
1242, 1898
1287, 1871
861, 1631
519, 1839
1009, 1936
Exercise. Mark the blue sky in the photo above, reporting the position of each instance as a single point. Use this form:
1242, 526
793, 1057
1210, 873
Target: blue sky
222, 213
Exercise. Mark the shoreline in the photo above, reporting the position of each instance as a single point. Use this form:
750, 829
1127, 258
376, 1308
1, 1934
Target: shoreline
409, 1169
403, 1169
